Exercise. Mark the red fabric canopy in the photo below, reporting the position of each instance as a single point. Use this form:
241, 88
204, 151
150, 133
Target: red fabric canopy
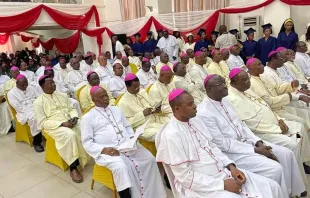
296, 2
245, 9
4, 38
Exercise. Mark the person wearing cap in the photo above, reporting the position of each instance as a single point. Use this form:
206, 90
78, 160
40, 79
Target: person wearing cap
161, 88
197, 72
21, 98
146, 75
202, 42
234, 60
266, 44
138, 108
214, 35
177, 35
137, 46
5, 112
75, 78
28, 74
278, 96
8, 85
150, 43
57, 117
85, 97
302, 59
164, 60
88, 65
134, 59
225, 40
104, 70
250, 45
117, 46
185, 60
190, 44
239, 143
183, 81
116, 84
306, 38
104, 130
266, 124
169, 44
216, 68
287, 36
235, 33
199, 168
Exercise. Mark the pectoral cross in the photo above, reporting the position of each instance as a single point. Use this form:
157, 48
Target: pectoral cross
120, 133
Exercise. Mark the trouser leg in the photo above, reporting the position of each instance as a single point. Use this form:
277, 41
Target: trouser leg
125, 193
37, 139
74, 165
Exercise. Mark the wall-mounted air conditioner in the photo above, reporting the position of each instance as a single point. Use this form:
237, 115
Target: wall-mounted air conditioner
254, 22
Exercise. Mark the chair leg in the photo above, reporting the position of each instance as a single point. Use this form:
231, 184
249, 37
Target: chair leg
92, 184
115, 193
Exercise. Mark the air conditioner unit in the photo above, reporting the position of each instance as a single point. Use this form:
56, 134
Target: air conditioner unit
254, 22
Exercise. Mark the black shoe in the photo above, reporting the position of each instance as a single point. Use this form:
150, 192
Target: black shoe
303, 194
167, 181
38, 148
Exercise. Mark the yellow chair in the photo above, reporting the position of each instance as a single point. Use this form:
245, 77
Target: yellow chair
22, 132
103, 175
78, 93
51, 154
148, 88
118, 99
133, 68
150, 146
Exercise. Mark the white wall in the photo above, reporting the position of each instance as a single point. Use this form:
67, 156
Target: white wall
301, 17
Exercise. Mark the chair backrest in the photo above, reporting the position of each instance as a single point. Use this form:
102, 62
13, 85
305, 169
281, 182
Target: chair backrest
88, 109
148, 88
118, 99
167, 168
78, 93
133, 68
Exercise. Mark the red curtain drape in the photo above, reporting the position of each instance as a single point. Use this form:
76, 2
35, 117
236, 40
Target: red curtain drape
4, 38
25, 38
143, 31
95, 33
296, 2
245, 9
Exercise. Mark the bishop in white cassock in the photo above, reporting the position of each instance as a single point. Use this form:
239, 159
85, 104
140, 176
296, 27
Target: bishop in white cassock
5, 112
75, 78
139, 108
88, 64
146, 75
234, 60
197, 72
197, 166
239, 143
104, 129
164, 60
183, 80
58, 118
217, 67
161, 88
302, 59
31, 77
62, 68
134, 59
21, 98
104, 70
169, 44
9, 84
117, 85
126, 66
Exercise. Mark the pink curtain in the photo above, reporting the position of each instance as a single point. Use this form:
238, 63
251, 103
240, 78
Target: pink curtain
132, 9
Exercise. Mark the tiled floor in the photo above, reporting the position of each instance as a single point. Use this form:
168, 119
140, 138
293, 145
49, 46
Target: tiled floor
25, 174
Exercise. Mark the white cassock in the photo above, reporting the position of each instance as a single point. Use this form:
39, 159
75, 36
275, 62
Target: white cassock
8, 85
105, 73
119, 48
40, 71
31, 77
296, 72
135, 169
126, 70
22, 102
258, 116
5, 112
170, 46
146, 78
135, 60
198, 165
209, 61
58, 68
303, 61
85, 68
198, 75
62, 74
187, 46
75, 79
159, 92
160, 65
188, 85
221, 69
235, 62
156, 60
284, 73
117, 86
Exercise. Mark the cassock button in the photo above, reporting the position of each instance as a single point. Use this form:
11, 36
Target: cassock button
220, 170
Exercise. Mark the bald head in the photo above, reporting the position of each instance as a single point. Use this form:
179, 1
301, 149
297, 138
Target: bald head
301, 47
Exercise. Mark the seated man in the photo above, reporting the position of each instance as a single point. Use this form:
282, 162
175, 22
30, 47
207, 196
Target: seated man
116, 84
197, 72
62, 68
183, 80
234, 60
88, 64
139, 108
134, 59
164, 60
5, 112
75, 78
126, 66
146, 75
216, 67
198, 165
160, 90
31, 77
8, 85
85, 98
104, 70
58, 118
104, 128
302, 58
240, 144
21, 99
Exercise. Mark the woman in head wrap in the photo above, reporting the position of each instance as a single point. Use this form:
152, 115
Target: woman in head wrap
306, 38
287, 36
266, 44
